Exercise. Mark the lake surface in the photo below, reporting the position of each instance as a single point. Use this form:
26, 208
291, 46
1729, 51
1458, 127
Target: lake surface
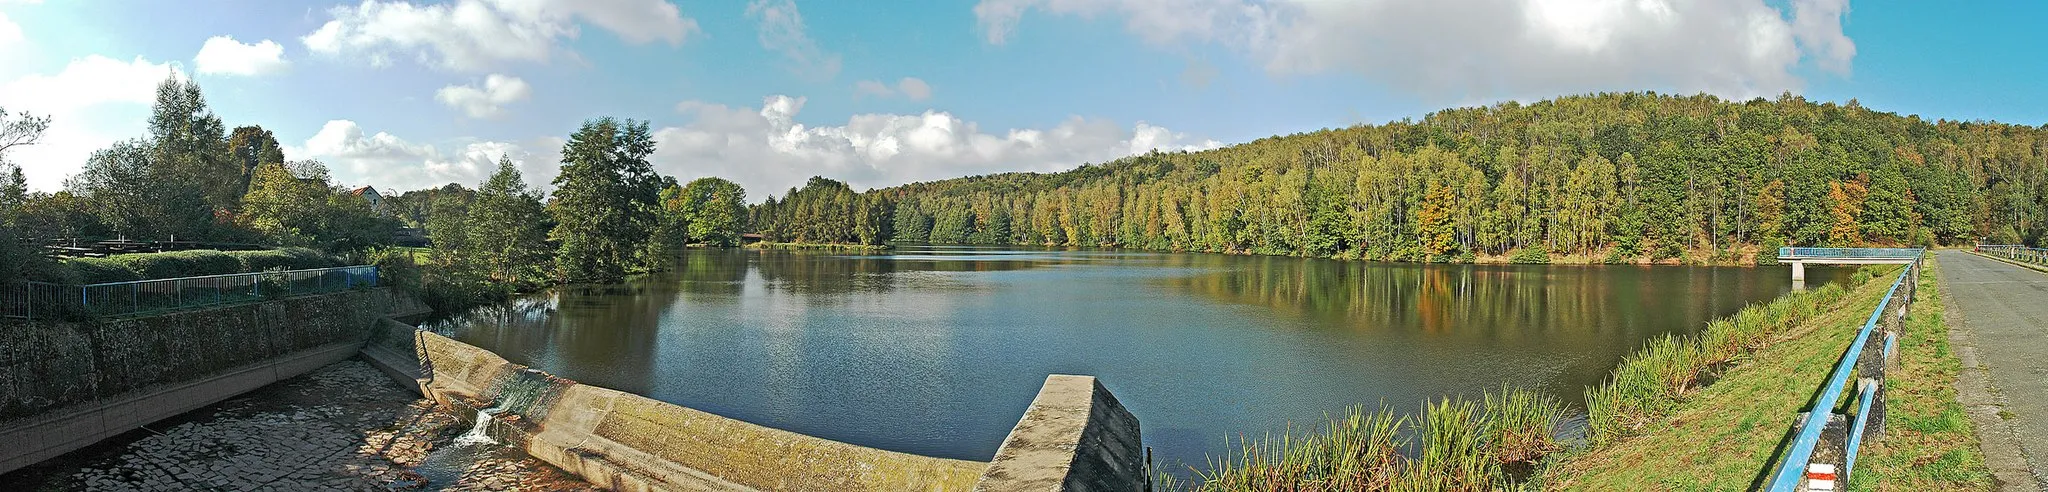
937, 350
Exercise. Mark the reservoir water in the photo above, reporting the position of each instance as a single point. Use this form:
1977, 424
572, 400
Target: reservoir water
938, 350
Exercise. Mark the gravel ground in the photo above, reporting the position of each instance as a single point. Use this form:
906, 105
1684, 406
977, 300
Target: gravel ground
343, 427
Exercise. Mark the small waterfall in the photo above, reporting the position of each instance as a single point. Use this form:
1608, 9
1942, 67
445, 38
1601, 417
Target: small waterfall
481, 432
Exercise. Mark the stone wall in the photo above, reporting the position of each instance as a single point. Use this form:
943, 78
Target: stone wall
629, 442
64, 385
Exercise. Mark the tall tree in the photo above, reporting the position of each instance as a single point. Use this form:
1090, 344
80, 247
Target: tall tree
253, 146
715, 209
190, 143
284, 209
507, 227
604, 200
137, 198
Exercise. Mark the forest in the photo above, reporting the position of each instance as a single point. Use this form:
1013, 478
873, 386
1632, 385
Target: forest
1613, 177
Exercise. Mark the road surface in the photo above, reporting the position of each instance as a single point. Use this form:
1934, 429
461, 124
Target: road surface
1998, 317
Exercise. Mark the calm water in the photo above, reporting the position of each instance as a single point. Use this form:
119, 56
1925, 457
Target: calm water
937, 351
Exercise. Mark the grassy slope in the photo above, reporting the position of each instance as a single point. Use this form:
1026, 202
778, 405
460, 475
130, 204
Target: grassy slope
1929, 443
1723, 437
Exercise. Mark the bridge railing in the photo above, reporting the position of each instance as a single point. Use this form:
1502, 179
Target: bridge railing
1823, 436
2015, 252
38, 300
1873, 253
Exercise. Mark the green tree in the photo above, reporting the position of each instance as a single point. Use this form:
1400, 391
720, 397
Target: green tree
282, 208
604, 200
715, 210
191, 146
253, 146
507, 227
138, 199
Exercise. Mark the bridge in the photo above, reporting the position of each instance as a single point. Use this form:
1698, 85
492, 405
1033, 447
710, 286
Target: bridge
1799, 257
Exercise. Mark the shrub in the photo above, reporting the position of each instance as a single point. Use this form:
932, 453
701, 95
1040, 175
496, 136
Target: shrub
1533, 255
98, 270
176, 264
193, 263
285, 259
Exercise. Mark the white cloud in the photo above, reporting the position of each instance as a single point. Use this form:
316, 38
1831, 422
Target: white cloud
91, 103
1489, 49
912, 88
10, 35
781, 30
488, 101
475, 35
767, 151
394, 164
872, 88
223, 55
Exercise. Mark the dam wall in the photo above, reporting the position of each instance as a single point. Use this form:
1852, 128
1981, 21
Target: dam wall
1074, 437
65, 385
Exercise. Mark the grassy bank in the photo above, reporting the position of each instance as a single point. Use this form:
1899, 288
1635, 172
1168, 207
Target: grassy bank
1725, 435
1700, 412
1930, 443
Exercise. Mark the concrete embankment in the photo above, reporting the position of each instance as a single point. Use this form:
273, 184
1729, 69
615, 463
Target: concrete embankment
1075, 436
67, 384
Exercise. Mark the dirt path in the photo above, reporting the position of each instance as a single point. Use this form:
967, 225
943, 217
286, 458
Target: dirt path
342, 427
1998, 315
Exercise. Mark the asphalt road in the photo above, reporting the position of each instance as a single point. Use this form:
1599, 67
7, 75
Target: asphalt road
1998, 314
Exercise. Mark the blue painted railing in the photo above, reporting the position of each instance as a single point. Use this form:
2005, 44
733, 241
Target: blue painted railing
1792, 470
37, 300
2015, 252
1858, 253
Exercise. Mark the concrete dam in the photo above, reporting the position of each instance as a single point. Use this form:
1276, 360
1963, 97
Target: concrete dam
68, 384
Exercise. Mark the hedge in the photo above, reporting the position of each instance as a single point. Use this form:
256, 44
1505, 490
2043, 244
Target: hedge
194, 263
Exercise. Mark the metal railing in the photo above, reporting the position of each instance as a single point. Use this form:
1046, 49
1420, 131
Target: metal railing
37, 300
2015, 252
1823, 432
1872, 253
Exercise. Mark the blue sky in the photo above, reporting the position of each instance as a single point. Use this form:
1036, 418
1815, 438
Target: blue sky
404, 94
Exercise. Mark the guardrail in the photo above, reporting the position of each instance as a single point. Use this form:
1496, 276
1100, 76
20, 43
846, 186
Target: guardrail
1824, 437
37, 300
1875, 253
2015, 252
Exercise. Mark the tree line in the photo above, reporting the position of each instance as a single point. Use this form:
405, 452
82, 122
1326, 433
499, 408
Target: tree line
1616, 177
191, 179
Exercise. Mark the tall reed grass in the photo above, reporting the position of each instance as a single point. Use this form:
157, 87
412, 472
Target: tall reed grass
1454, 444
1650, 383
1458, 444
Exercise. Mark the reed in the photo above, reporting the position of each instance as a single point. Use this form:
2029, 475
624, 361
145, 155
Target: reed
1522, 425
1453, 455
1459, 444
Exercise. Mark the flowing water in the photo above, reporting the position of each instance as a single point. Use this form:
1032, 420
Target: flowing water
938, 350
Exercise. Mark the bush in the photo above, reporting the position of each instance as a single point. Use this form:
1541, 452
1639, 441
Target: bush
1533, 255
194, 263
1767, 253
98, 270
285, 259
176, 264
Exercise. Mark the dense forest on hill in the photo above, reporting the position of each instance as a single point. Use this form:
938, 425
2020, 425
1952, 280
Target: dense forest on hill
1615, 177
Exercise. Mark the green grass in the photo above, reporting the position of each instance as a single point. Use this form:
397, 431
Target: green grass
1702, 412
1930, 443
1458, 444
1726, 435
1658, 434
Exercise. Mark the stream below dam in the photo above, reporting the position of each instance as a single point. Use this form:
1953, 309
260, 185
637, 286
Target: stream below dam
937, 350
